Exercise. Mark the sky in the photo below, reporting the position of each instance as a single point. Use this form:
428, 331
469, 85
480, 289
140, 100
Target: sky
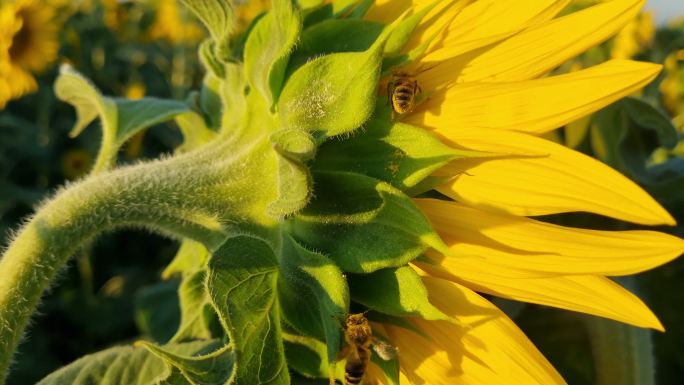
666, 9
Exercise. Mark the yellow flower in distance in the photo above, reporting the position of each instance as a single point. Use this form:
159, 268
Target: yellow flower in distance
28, 44
484, 75
172, 23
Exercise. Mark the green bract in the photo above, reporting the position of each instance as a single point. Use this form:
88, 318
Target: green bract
291, 175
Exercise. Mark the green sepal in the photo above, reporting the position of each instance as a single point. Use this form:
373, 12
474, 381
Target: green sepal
309, 4
210, 101
191, 257
208, 367
197, 315
121, 118
115, 365
394, 291
241, 283
294, 144
397, 59
293, 185
397, 153
335, 93
362, 8
268, 48
306, 355
362, 223
402, 34
341, 8
311, 280
219, 18
207, 55
334, 35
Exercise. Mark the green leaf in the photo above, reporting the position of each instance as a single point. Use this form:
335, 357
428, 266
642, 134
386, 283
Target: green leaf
208, 367
218, 17
121, 118
394, 291
268, 48
242, 285
121, 365
334, 93
156, 311
195, 309
625, 134
363, 224
397, 153
311, 280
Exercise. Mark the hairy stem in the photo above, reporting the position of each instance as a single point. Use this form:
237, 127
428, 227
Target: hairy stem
203, 195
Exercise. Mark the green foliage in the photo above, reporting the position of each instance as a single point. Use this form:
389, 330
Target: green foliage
156, 311
121, 118
123, 365
208, 367
196, 314
351, 212
241, 282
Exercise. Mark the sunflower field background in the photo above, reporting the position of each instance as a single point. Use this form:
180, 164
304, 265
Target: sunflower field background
112, 293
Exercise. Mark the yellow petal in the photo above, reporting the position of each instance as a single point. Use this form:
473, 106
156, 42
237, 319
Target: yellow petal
389, 10
538, 50
583, 293
488, 348
488, 21
535, 106
521, 243
562, 181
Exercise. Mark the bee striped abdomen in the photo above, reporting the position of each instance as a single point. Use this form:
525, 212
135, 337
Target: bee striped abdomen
355, 369
403, 94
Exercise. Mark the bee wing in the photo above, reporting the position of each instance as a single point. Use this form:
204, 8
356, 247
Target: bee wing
384, 350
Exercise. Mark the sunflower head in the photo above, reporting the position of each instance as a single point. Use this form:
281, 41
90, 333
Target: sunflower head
28, 44
395, 152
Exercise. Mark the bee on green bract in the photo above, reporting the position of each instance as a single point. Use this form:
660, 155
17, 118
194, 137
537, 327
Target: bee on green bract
402, 92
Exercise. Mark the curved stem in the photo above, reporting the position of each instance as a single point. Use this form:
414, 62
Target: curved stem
203, 196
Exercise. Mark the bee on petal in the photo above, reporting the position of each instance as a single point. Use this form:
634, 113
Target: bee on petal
360, 340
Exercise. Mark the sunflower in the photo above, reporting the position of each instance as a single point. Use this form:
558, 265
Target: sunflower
172, 24
485, 74
670, 87
28, 44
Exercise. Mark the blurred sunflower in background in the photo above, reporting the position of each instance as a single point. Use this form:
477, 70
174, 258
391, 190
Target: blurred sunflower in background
174, 24
28, 45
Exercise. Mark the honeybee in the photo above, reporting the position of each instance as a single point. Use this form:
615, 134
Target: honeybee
402, 92
359, 337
